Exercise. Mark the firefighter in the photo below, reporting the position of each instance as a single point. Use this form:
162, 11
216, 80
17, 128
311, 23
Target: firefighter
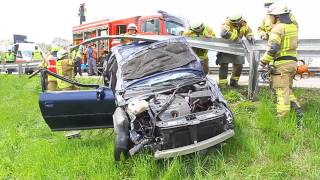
132, 30
234, 28
282, 54
65, 69
77, 57
82, 13
200, 30
37, 54
50, 64
265, 26
9, 57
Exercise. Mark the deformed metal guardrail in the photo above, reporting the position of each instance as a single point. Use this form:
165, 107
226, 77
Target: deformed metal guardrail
252, 52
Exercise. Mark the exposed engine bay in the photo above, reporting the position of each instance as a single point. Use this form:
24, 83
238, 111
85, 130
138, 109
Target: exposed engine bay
175, 118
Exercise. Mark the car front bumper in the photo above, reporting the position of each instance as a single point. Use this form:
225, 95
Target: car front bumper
195, 147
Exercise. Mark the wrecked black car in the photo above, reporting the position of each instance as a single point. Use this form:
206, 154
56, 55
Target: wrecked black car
156, 96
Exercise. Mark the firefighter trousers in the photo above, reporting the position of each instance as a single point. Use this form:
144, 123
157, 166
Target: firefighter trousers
282, 81
235, 76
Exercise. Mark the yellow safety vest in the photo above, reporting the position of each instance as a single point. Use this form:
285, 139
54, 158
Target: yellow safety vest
37, 55
9, 57
286, 37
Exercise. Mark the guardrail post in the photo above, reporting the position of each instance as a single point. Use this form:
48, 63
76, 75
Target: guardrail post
20, 70
255, 75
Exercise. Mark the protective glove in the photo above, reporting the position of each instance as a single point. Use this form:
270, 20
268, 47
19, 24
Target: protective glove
225, 34
262, 65
263, 35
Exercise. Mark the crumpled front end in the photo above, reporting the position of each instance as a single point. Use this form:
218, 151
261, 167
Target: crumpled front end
179, 121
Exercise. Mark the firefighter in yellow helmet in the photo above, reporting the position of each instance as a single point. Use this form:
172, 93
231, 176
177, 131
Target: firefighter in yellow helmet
50, 64
132, 30
234, 28
266, 25
65, 69
282, 54
200, 30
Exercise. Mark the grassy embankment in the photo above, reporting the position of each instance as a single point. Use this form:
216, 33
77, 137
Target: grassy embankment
263, 146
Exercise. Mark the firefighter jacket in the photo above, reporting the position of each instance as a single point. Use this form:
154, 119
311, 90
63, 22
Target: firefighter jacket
282, 44
235, 32
65, 69
206, 33
266, 25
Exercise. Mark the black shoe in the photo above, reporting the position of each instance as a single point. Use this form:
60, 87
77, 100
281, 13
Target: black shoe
234, 83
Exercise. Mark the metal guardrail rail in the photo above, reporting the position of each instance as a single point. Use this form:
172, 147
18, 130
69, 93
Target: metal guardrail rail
21, 68
252, 52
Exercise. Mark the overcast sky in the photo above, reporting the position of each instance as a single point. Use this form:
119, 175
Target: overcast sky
42, 20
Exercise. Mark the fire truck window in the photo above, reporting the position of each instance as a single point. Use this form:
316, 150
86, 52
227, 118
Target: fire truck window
121, 29
152, 25
77, 36
87, 35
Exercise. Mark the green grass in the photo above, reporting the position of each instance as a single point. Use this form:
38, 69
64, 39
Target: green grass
264, 147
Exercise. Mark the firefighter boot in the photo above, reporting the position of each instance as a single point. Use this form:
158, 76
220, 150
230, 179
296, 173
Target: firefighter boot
236, 72
299, 114
223, 75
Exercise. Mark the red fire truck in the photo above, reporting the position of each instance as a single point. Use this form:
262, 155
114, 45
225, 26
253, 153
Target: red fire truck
160, 24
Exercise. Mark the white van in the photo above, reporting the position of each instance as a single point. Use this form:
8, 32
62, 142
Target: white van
24, 51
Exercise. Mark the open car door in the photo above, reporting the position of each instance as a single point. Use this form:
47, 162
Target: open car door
75, 110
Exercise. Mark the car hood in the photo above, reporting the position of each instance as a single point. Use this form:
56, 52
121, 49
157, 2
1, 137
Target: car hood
140, 60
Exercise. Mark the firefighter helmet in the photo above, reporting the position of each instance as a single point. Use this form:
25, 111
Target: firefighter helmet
132, 26
235, 18
62, 53
197, 27
277, 9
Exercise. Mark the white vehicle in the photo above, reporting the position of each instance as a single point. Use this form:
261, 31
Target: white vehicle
23, 51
